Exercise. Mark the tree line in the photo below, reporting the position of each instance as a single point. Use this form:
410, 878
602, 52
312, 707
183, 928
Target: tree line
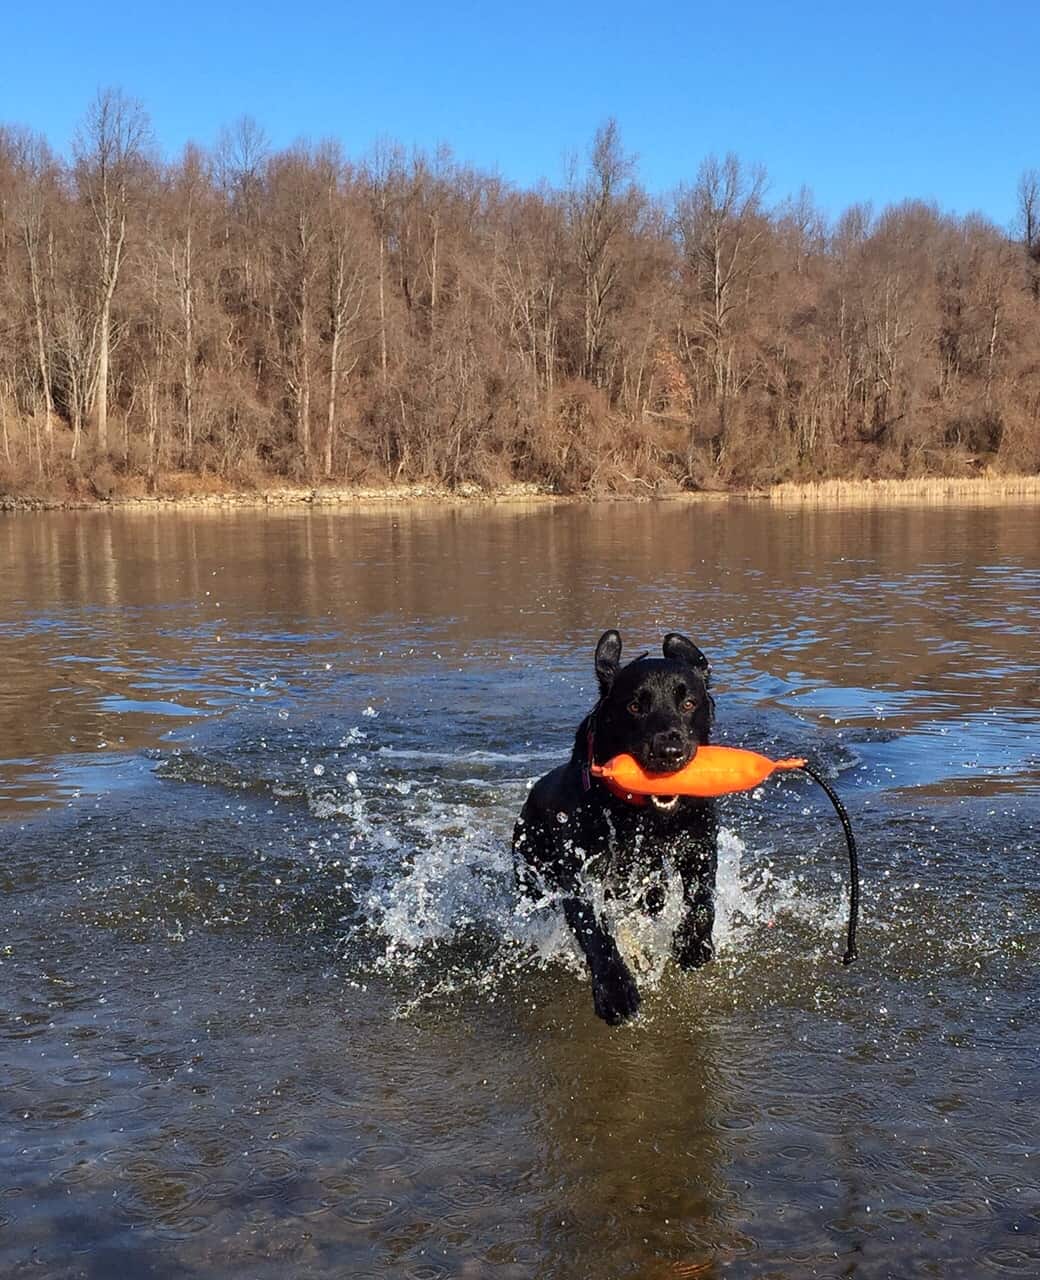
248, 313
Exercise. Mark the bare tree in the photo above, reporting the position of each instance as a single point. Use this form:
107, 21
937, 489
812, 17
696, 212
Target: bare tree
261, 312
346, 289
296, 196
382, 176
601, 205
190, 189
109, 150
720, 228
39, 180
1029, 226
242, 154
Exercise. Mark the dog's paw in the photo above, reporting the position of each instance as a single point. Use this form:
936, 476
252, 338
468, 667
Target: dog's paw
693, 951
653, 900
616, 995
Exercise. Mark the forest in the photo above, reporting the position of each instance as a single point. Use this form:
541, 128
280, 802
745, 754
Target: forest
241, 316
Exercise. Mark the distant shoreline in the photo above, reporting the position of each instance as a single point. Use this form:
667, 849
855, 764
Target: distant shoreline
925, 489
984, 490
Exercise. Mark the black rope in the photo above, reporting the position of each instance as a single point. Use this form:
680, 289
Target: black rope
850, 840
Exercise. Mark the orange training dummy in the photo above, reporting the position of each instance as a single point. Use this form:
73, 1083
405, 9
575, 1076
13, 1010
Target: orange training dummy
713, 771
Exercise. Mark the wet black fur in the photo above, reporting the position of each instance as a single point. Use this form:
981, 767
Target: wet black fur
658, 710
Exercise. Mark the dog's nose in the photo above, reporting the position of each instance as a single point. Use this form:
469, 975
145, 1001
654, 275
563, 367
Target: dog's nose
669, 748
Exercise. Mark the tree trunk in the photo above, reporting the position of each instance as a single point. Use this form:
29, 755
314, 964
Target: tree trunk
41, 345
304, 375
188, 309
433, 271
77, 415
330, 427
153, 421
992, 352
382, 306
101, 394
3, 426
113, 258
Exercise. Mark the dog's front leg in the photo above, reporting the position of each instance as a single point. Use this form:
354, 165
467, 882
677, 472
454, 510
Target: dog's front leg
692, 944
613, 987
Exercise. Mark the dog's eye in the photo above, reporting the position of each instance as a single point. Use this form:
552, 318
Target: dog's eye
635, 708
687, 704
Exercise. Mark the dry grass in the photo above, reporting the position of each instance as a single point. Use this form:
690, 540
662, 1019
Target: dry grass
927, 489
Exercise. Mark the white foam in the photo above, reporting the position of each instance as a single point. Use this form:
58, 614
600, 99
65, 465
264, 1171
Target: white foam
468, 757
442, 875
429, 863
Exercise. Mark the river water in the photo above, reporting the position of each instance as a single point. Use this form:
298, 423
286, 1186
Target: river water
268, 1007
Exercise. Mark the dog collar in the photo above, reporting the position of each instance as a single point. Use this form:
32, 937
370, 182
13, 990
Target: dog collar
586, 775
587, 778
619, 793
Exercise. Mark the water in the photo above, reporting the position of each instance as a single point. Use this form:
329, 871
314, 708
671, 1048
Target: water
268, 1006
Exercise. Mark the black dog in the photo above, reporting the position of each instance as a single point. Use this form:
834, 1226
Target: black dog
574, 826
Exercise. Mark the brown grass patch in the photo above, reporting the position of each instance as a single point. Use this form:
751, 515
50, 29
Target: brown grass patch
923, 490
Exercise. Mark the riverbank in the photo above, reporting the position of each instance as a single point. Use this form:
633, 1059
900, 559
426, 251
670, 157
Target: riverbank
282, 496
979, 489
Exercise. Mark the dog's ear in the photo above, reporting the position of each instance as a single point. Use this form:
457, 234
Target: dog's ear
678, 649
608, 660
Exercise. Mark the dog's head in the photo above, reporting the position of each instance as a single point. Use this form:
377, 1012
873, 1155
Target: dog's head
658, 710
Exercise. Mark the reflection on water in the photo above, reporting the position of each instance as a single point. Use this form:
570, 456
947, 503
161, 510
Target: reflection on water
116, 627
268, 1007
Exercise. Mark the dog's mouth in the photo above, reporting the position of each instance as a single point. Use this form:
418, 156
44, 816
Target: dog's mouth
667, 803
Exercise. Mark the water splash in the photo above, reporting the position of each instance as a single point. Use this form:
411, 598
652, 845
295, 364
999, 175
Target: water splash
423, 842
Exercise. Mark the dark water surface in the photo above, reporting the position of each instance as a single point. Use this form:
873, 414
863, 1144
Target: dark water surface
267, 1005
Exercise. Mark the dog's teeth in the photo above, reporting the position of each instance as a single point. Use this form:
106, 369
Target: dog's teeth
668, 804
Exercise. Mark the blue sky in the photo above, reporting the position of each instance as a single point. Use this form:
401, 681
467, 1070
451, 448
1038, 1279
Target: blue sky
939, 101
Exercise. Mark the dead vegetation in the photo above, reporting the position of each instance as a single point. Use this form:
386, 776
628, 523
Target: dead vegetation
921, 490
239, 318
